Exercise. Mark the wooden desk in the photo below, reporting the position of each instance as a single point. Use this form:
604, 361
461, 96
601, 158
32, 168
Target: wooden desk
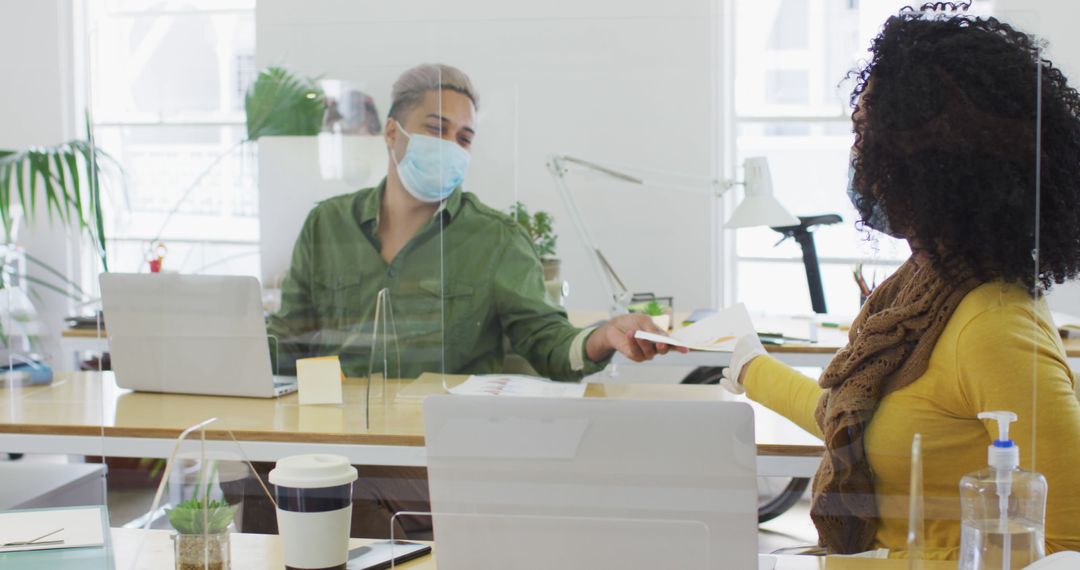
261, 551
85, 413
74, 342
248, 551
815, 355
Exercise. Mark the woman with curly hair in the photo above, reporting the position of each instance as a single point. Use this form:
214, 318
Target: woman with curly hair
946, 125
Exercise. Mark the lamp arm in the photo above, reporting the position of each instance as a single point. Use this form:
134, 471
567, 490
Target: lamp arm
618, 294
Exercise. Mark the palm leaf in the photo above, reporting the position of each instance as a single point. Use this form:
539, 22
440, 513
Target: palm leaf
76, 193
5, 196
18, 167
55, 272
95, 190
281, 104
55, 176
58, 162
41, 164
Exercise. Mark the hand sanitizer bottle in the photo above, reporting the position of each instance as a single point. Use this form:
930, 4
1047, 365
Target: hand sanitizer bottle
1002, 507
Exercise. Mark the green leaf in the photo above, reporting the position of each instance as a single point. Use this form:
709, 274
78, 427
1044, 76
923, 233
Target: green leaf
539, 226
279, 103
90, 156
20, 188
61, 179
5, 198
76, 191
52, 201
193, 516
62, 183
55, 272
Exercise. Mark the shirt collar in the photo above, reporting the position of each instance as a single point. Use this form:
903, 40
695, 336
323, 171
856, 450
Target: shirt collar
369, 204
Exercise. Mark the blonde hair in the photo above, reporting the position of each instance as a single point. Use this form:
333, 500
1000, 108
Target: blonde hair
409, 89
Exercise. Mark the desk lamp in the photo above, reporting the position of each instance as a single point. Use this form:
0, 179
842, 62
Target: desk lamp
759, 208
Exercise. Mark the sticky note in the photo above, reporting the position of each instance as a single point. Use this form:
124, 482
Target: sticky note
321, 419
319, 380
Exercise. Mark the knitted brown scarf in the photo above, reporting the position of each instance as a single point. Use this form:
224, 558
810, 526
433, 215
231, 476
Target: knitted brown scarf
888, 348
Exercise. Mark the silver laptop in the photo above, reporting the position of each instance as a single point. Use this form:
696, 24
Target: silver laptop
536, 483
189, 334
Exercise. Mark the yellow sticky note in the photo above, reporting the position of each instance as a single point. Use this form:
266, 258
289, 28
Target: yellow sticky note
321, 419
319, 380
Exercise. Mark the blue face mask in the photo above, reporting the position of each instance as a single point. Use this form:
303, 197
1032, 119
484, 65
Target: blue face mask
879, 220
432, 167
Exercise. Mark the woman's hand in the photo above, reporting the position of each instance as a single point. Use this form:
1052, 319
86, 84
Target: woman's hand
747, 348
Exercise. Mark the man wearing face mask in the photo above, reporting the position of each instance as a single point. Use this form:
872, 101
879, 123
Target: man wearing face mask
460, 276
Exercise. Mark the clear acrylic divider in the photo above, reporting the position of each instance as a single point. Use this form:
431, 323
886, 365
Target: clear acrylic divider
916, 539
955, 176
54, 507
207, 480
466, 540
535, 481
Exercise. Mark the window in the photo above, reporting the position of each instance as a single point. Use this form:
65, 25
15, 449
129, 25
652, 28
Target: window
166, 83
790, 99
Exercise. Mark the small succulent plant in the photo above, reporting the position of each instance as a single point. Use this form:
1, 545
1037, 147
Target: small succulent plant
189, 517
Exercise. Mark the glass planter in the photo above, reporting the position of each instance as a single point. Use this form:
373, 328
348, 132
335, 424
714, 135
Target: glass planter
202, 552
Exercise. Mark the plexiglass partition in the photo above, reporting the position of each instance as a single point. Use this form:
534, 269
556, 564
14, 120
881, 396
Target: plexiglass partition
931, 124
54, 509
310, 235
511, 477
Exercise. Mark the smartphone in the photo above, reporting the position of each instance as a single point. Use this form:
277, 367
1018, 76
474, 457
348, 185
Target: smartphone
382, 554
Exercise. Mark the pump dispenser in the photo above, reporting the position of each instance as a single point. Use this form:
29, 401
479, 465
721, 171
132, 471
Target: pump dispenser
1002, 507
1003, 454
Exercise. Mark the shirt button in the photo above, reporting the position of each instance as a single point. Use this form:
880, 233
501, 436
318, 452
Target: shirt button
392, 272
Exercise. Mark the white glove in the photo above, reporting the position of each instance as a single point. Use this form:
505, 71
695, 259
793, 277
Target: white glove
747, 348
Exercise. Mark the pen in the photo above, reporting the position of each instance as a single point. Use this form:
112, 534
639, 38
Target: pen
763, 336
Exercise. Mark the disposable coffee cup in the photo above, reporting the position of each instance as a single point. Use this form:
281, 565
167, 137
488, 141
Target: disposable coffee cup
314, 510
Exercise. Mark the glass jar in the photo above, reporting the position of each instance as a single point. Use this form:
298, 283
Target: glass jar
202, 552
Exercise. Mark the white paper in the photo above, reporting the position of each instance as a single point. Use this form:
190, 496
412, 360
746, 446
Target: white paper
82, 527
319, 380
513, 385
717, 333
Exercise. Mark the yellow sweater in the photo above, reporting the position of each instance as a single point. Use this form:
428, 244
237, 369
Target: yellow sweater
999, 351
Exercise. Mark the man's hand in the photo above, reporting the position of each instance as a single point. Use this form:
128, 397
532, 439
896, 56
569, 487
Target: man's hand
618, 334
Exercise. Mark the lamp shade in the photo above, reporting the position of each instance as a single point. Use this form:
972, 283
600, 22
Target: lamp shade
759, 207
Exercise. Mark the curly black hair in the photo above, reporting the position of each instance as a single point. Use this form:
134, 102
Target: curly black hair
946, 129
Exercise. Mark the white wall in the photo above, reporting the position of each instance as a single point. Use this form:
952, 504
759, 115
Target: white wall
36, 108
630, 82
1055, 22
37, 50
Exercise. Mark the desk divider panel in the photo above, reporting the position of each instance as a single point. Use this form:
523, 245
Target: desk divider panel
461, 188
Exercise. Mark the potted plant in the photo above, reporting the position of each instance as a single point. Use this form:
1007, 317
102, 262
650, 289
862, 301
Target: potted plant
541, 230
660, 314
64, 180
202, 539
69, 178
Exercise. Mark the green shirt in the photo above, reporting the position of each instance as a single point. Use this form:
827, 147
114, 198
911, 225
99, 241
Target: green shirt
468, 278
